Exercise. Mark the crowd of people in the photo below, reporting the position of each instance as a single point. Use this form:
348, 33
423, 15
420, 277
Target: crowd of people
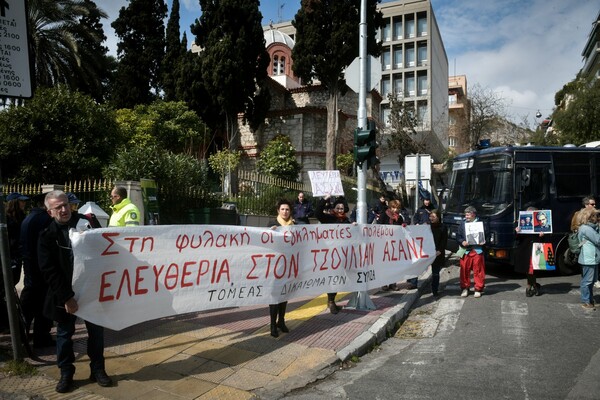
40, 248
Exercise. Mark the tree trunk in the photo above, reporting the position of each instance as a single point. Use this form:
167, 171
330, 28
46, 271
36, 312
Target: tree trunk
332, 130
233, 139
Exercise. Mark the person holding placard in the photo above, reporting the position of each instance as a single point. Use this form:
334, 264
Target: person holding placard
471, 253
524, 258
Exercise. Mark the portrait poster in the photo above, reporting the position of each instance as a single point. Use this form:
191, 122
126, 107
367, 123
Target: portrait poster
542, 257
526, 222
542, 221
474, 232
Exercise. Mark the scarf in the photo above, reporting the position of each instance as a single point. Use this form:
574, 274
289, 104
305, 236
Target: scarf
283, 222
393, 216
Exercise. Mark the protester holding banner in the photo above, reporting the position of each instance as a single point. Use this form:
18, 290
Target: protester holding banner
335, 215
471, 257
440, 238
589, 256
392, 216
284, 218
524, 262
55, 257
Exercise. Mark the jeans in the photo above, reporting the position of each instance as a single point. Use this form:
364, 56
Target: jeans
589, 275
64, 346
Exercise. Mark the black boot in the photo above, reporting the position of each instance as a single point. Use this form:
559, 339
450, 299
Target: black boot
273, 309
281, 321
333, 308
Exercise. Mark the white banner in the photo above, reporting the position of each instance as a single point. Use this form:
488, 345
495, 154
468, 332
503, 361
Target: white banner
124, 276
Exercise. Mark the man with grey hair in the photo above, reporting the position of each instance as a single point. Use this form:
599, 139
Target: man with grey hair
55, 258
471, 257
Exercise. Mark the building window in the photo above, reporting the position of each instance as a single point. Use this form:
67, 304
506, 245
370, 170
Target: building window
398, 86
278, 65
387, 32
385, 115
385, 87
422, 53
410, 84
422, 114
398, 28
398, 57
410, 56
385, 60
422, 24
409, 28
422, 84
452, 141
452, 99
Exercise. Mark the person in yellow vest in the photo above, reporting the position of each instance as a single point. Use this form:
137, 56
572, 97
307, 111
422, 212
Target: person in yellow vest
125, 213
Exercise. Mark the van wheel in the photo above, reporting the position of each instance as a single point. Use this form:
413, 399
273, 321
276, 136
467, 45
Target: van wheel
563, 268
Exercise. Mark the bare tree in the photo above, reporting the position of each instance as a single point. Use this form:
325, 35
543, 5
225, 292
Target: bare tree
403, 123
487, 107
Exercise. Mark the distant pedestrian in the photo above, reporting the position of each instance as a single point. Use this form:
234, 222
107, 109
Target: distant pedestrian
125, 213
284, 218
73, 201
335, 215
55, 257
471, 257
421, 217
440, 238
15, 214
302, 210
589, 256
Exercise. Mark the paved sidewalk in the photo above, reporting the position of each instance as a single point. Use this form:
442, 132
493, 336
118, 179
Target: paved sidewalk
226, 353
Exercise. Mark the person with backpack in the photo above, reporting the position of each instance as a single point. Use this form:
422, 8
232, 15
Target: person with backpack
523, 262
589, 255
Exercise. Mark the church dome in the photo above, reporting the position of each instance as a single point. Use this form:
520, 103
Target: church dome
275, 36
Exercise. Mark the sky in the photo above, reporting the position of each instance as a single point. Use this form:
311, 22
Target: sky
524, 50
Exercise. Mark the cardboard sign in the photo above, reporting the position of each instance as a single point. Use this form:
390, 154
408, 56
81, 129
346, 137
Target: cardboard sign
325, 183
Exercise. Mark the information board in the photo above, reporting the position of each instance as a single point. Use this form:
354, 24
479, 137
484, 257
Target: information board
15, 77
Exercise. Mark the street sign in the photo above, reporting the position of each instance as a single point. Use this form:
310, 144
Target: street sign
352, 74
15, 77
410, 167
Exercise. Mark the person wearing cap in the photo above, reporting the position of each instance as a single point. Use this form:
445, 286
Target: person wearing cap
334, 215
421, 217
15, 214
125, 213
34, 285
73, 201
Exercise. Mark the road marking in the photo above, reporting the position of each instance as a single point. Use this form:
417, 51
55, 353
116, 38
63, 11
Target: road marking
514, 319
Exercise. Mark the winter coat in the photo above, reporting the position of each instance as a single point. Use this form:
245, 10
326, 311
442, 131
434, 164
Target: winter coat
590, 239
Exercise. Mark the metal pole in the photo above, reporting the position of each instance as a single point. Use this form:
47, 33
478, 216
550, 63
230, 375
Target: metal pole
9, 285
418, 179
361, 300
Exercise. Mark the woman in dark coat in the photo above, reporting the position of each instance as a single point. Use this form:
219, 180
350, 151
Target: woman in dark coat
284, 218
337, 214
392, 216
440, 238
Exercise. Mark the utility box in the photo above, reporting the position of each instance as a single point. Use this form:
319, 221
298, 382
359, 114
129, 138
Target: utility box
92, 208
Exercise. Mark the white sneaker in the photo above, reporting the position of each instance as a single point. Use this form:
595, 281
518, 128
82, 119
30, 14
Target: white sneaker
597, 284
477, 294
464, 293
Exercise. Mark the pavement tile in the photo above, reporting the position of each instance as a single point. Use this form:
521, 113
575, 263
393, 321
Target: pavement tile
246, 379
154, 356
235, 356
212, 371
278, 360
177, 343
310, 359
339, 336
183, 363
188, 387
223, 392
206, 349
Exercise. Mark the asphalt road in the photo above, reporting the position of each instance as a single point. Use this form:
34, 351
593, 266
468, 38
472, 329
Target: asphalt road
503, 345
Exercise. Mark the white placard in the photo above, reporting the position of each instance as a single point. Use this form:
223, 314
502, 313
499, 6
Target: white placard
325, 183
15, 78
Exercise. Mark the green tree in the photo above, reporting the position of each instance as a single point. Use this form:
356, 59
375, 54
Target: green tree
278, 159
233, 64
222, 163
327, 41
578, 121
65, 40
140, 50
174, 51
59, 134
168, 125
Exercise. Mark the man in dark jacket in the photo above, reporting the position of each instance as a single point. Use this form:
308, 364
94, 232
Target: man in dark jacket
34, 285
302, 210
55, 257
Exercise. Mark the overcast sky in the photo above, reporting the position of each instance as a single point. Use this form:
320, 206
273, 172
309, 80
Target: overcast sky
525, 50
